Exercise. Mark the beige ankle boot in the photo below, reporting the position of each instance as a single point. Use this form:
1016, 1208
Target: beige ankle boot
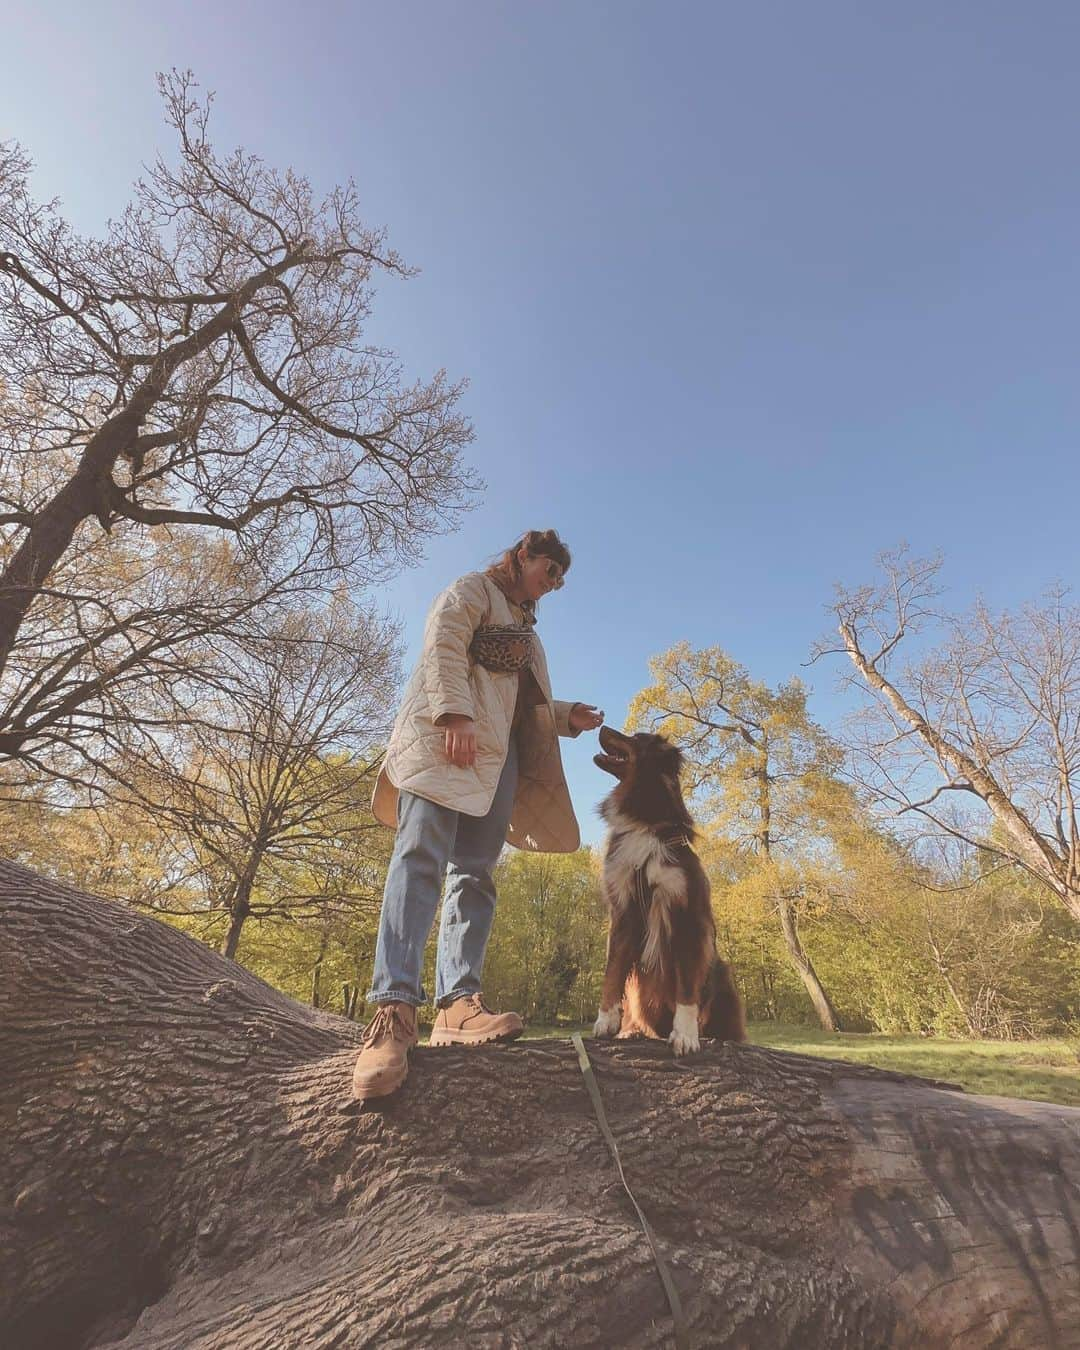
469, 1021
383, 1063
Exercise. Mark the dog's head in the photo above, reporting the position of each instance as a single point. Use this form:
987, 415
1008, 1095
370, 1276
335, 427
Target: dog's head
642, 755
647, 767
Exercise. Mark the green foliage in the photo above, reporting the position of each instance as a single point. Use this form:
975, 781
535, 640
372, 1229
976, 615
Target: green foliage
546, 955
900, 949
318, 963
904, 946
314, 919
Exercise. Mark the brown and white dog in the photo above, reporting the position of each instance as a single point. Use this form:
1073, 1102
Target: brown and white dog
663, 977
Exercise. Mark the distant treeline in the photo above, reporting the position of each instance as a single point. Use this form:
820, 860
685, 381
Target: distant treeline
982, 954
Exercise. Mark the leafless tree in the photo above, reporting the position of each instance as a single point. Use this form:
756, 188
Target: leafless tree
265, 785
979, 735
108, 656
200, 372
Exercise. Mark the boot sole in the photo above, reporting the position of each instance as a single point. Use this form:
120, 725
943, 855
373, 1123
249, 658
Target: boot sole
471, 1037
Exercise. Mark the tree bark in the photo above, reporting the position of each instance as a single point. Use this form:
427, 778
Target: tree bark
238, 913
183, 1167
240, 905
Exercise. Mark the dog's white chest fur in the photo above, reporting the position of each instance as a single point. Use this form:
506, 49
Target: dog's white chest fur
637, 847
632, 847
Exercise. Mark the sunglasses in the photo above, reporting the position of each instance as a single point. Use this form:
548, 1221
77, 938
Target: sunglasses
554, 574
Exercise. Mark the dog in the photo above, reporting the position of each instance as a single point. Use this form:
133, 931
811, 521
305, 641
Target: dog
664, 977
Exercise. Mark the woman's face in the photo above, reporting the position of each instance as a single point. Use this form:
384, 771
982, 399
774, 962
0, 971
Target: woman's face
539, 575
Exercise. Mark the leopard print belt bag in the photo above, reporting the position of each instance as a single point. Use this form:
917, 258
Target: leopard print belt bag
502, 648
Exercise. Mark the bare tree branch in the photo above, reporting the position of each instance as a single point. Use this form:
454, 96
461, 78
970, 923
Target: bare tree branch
995, 710
202, 369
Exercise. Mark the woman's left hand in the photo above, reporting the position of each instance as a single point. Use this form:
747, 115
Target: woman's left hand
584, 717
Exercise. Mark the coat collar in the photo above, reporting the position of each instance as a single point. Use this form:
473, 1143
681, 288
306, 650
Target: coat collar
527, 607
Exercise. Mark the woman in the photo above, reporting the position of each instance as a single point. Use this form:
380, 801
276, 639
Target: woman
473, 760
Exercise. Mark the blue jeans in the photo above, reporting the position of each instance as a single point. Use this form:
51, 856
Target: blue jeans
436, 842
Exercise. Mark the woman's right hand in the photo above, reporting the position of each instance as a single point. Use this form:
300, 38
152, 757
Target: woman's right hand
460, 740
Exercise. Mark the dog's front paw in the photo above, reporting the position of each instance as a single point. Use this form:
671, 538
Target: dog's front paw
607, 1023
684, 1045
684, 1034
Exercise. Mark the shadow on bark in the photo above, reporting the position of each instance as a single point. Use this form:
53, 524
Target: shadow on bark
184, 1167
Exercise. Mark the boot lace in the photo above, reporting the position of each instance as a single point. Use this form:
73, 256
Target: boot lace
477, 1004
386, 1022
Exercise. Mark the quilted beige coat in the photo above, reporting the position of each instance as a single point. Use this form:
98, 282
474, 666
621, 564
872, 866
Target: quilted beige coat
446, 680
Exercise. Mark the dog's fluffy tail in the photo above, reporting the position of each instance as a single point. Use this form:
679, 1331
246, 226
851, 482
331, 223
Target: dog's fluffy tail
727, 1020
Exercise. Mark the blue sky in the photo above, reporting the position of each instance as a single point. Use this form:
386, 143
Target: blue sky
745, 293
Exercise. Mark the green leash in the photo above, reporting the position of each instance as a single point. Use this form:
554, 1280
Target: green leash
605, 1129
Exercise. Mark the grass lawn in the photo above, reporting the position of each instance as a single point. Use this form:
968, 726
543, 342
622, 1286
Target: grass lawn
1046, 1071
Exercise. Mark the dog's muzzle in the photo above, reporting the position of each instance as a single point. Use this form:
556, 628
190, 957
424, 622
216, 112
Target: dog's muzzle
615, 754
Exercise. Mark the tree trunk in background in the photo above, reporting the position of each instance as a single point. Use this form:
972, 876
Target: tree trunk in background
317, 969
183, 1168
238, 912
789, 926
240, 907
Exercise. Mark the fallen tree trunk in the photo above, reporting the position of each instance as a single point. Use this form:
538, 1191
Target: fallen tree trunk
183, 1167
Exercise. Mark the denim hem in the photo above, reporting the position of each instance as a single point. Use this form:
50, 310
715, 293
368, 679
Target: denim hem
447, 999
396, 998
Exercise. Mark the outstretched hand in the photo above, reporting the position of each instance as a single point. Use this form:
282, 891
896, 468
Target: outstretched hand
584, 717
